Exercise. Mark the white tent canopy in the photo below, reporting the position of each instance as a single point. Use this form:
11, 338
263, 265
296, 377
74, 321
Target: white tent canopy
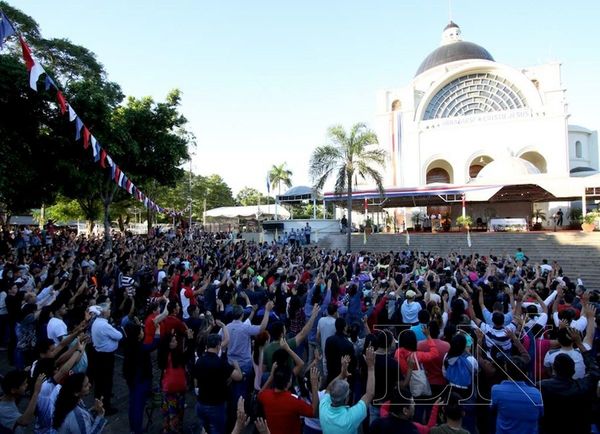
259, 212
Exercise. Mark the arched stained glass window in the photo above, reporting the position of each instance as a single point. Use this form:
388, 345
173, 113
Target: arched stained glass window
473, 94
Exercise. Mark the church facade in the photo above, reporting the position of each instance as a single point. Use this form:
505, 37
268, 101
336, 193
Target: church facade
465, 117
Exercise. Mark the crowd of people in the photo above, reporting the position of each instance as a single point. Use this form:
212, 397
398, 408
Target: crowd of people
285, 338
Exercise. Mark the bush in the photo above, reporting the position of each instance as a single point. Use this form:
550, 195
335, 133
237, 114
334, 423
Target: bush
591, 217
464, 221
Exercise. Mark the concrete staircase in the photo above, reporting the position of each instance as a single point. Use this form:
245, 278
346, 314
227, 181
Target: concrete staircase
578, 253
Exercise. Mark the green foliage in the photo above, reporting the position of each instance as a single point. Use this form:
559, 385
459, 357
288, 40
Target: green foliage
280, 175
591, 217
464, 221
575, 215
417, 217
248, 196
22, 22
147, 139
212, 188
26, 180
63, 211
305, 211
538, 215
349, 155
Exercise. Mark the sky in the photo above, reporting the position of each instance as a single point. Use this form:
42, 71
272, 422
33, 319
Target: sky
262, 80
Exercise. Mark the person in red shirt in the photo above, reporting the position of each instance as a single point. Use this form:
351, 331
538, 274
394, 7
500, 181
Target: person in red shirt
283, 410
408, 347
172, 322
175, 285
433, 366
152, 321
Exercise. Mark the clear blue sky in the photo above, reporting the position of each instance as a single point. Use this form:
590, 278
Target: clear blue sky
262, 80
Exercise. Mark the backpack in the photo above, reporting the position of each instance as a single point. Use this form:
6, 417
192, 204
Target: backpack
460, 373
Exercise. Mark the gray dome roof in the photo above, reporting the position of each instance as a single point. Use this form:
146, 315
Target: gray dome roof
459, 50
298, 190
582, 169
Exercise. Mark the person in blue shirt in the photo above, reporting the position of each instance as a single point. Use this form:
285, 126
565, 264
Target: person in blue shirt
424, 318
410, 308
516, 403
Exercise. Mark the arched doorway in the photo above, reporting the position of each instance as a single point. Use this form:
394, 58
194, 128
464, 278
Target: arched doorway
536, 159
477, 164
439, 171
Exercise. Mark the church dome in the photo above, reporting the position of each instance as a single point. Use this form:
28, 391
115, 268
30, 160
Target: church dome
508, 167
453, 48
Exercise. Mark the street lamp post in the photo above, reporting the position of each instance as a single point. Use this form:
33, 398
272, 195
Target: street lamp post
190, 199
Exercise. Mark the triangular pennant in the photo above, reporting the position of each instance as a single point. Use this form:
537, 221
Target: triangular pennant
116, 173
128, 186
112, 166
34, 68
103, 158
27, 56
34, 75
6, 28
95, 149
78, 127
72, 114
62, 102
49, 82
86, 137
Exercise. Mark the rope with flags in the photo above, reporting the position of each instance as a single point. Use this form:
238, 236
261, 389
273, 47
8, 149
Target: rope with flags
82, 133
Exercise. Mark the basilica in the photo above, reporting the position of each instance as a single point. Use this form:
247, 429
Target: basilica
466, 119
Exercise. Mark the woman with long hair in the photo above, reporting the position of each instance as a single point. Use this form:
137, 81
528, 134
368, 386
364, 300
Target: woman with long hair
70, 414
137, 371
171, 361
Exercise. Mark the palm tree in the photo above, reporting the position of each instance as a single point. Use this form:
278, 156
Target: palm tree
280, 175
348, 156
277, 176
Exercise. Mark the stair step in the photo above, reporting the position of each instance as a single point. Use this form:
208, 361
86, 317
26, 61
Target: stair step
568, 248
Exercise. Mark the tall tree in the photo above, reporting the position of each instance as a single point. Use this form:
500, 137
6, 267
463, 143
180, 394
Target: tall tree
33, 127
280, 175
249, 196
211, 188
150, 144
348, 155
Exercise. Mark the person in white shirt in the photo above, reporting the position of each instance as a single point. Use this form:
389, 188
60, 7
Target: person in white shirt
162, 274
106, 341
568, 315
410, 308
325, 329
566, 347
545, 267
56, 328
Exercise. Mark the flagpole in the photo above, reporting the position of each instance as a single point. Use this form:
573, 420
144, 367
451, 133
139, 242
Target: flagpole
406, 228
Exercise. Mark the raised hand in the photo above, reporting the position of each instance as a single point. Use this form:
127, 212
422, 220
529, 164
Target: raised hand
345, 364
370, 357
98, 407
38, 384
261, 426
574, 335
315, 380
241, 419
283, 344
